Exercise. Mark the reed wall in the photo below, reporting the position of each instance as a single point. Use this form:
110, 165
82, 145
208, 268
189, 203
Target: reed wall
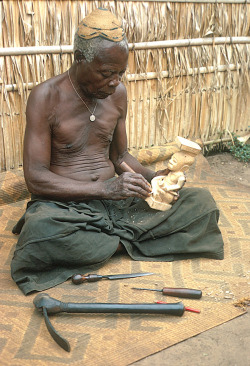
196, 84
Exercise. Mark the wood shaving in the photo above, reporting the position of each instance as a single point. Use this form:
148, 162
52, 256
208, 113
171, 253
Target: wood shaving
243, 303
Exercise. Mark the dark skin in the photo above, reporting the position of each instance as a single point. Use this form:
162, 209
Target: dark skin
68, 157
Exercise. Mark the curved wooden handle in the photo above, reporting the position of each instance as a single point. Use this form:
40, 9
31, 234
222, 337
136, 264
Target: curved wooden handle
78, 278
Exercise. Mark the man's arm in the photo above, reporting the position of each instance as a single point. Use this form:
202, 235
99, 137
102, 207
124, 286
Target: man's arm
119, 150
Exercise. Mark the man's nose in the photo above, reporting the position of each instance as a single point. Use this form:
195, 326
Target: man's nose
115, 81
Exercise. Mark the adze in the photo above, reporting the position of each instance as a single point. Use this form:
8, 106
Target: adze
48, 305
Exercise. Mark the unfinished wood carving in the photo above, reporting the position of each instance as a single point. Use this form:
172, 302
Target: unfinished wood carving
165, 188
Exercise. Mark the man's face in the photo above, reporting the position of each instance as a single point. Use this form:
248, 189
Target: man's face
99, 78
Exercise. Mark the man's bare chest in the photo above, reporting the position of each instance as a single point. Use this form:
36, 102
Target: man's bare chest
77, 132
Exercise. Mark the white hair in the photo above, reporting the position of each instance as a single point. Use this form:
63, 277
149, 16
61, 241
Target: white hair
89, 48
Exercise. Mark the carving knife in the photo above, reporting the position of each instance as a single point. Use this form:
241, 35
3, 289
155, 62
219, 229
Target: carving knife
79, 278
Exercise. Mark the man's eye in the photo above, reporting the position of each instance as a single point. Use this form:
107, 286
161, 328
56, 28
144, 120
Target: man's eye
109, 73
122, 73
106, 74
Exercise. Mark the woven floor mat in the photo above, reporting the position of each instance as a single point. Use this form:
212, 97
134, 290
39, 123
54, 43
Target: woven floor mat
121, 339
12, 187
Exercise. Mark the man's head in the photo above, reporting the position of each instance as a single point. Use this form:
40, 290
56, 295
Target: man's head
89, 48
99, 25
101, 53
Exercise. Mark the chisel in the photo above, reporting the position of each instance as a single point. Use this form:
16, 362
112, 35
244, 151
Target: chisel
79, 278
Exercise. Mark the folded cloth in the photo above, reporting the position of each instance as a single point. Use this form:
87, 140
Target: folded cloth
58, 239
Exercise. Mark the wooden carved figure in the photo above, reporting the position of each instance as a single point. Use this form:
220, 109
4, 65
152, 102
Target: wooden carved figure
165, 188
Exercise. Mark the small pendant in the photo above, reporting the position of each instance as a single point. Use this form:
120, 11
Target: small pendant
92, 118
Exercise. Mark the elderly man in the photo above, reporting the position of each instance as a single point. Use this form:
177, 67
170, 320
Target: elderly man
84, 206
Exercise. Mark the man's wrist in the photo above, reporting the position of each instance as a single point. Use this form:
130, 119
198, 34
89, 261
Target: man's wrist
151, 176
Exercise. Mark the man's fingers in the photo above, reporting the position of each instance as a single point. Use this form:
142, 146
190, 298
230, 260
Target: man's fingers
176, 197
129, 185
139, 192
137, 180
142, 184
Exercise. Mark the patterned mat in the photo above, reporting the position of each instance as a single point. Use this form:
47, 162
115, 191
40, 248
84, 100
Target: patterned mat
121, 339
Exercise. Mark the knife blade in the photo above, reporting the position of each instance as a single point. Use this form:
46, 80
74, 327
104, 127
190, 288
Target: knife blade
79, 278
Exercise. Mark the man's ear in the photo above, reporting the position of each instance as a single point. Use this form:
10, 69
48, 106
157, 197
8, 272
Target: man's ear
78, 57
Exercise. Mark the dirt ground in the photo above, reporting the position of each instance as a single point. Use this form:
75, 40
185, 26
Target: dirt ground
225, 345
229, 343
225, 165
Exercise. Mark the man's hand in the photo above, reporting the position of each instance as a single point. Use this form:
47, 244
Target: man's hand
128, 185
162, 172
176, 196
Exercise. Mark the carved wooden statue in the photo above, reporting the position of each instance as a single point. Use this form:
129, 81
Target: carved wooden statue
165, 188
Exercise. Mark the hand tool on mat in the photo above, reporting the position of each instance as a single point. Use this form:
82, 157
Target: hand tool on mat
79, 278
48, 305
179, 292
186, 308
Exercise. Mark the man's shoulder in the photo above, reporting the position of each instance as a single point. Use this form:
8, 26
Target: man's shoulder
120, 94
45, 96
49, 87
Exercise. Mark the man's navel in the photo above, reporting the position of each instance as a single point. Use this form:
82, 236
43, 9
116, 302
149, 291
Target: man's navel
68, 146
94, 177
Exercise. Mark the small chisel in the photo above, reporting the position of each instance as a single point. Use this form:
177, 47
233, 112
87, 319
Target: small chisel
179, 292
79, 278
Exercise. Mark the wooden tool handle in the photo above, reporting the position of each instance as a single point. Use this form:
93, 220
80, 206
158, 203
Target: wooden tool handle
182, 292
126, 168
77, 279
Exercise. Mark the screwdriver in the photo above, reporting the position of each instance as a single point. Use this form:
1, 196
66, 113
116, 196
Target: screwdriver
179, 292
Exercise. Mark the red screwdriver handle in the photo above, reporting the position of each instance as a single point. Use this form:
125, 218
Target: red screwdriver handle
182, 292
79, 278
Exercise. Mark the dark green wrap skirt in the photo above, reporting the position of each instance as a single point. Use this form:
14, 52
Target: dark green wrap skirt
58, 239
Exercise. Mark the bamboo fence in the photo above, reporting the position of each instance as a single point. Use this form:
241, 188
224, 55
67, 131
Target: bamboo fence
188, 71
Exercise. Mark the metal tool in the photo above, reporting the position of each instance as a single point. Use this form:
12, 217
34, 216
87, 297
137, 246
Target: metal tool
79, 278
187, 293
48, 305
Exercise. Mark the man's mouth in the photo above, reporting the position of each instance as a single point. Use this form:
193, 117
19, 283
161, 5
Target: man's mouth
103, 94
